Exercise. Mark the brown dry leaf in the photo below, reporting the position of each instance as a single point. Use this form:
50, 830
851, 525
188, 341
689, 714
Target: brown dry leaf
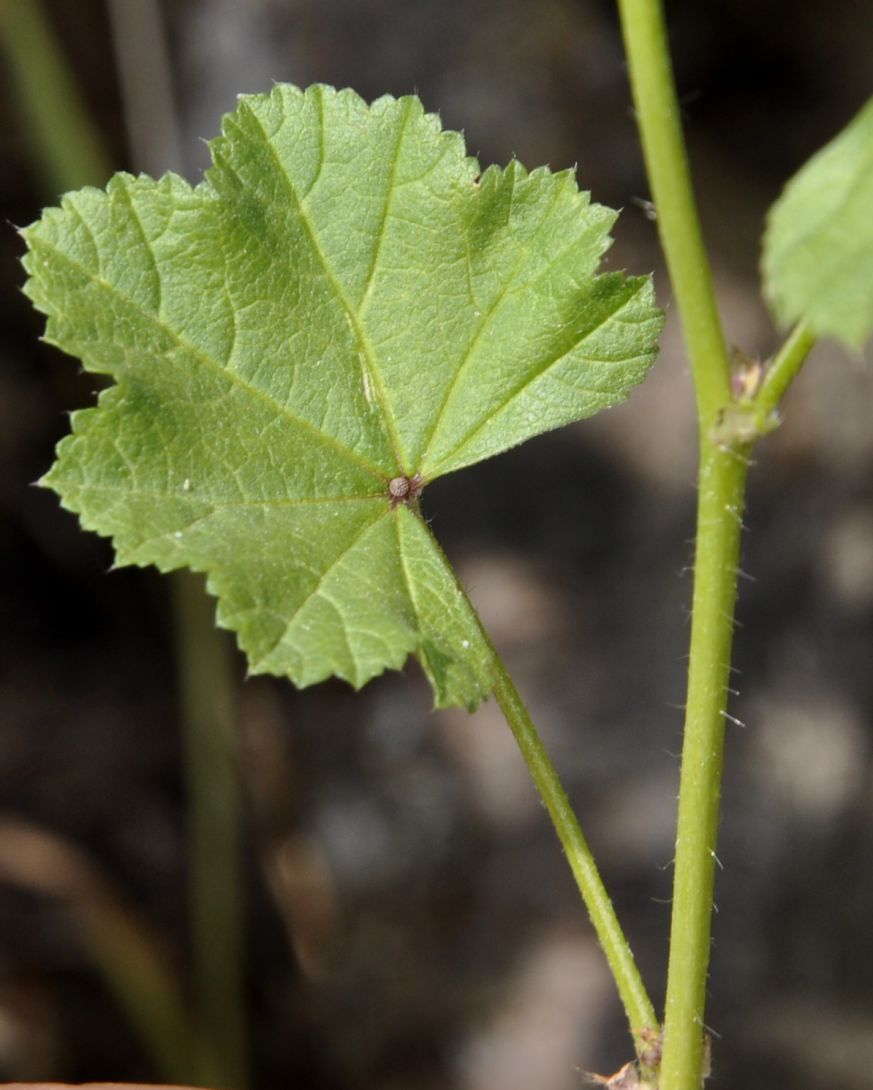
626, 1078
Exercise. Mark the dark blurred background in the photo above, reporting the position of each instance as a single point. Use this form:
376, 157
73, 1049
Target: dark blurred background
409, 919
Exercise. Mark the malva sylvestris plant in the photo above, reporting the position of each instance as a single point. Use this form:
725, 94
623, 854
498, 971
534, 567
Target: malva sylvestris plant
345, 309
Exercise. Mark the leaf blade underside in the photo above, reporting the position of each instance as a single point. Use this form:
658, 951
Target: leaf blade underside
343, 300
817, 258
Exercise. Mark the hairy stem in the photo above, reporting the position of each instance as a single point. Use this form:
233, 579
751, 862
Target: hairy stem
722, 484
657, 111
722, 479
637, 1005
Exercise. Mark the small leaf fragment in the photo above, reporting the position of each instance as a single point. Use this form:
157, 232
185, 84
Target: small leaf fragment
818, 245
342, 311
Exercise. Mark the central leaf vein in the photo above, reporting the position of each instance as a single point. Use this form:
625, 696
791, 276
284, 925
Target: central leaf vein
216, 505
487, 317
371, 375
532, 377
198, 355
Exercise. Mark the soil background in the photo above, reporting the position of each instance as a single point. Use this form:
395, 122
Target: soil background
410, 920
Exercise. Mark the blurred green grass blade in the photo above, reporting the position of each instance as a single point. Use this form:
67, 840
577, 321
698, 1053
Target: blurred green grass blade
58, 125
208, 698
69, 153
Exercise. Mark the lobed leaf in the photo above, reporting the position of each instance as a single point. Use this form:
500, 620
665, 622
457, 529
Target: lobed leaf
818, 246
343, 302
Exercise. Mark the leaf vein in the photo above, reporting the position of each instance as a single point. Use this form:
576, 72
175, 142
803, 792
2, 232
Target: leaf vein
532, 377
216, 505
319, 97
147, 246
386, 208
367, 355
404, 567
487, 317
315, 590
202, 357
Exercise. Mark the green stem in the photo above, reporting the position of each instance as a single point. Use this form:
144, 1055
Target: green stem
632, 992
722, 482
781, 373
657, 111
722, 479
637, 1005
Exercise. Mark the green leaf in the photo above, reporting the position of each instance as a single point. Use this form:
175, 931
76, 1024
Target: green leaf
341, 304
818, 246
